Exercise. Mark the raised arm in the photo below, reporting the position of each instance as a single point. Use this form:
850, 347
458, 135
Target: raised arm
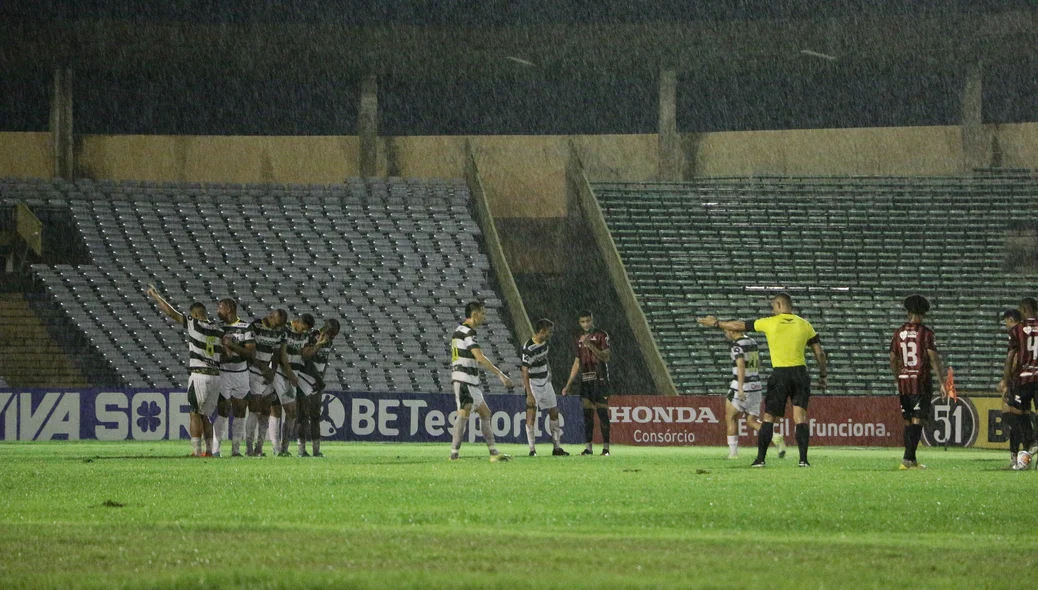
712, 322
483, 360
602, 355
164, 305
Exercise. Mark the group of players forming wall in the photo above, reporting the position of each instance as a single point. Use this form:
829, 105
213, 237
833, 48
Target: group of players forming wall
270, 369
270, 374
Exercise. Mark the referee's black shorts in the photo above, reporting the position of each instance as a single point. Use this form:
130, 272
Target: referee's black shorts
792, 383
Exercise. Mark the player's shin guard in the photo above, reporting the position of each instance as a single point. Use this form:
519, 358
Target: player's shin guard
487, 428
459, 434
274, 433
803, 436
288, 430
219, 432
767, 430
603, 425
1009, 425
556, 432
262, 428
531, 435
589, 425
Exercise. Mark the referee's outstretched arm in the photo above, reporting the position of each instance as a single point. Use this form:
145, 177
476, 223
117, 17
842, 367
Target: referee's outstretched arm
712, 322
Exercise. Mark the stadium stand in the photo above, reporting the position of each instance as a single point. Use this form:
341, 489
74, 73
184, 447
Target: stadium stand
394, 260
26, 347
847, 249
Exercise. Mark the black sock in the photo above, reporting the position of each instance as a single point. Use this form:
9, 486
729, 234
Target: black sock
1026, 432
803, 435
917, 435
589, 425
1009, 424
908, 443
603, 424
767, 430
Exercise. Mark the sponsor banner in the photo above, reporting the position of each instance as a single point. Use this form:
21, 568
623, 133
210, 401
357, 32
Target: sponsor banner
699, 420
134, 414
974, 421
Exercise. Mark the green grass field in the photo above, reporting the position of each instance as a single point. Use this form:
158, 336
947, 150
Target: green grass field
111, 515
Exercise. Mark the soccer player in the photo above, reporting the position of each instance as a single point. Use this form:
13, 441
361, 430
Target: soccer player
788, 334
1020, 375
591, 363
315, 357
466, 358
269, 333
287, 383
744, 390
1010, 414
914, 362
540, 394
239, 345
203, 386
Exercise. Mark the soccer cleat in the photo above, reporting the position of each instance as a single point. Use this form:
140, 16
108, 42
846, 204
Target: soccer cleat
237, 455
733, 455
918, 465
605, 452
533, 453
803, 464
454, 457
559, 453
208, 454
216, 454
303, 454
757, 463
587, 452
782, 454
284, 454
500, 458
319, 455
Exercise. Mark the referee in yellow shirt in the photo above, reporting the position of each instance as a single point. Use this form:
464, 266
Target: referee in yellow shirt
788, 335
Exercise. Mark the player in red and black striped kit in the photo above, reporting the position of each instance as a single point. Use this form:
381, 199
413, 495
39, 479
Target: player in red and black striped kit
593, 354
914, 362
1019, 385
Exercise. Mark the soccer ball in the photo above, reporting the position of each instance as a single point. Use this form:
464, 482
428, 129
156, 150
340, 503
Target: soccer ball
1023, 460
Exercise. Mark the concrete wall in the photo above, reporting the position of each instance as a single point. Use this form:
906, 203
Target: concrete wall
524, 175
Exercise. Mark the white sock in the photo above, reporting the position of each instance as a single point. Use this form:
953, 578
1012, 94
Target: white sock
196, 445
251, 431
317, 445
274, 433
458, 436
531, 436
488, 435
219, 432
237, 433
262, 427
556, 432
733, 445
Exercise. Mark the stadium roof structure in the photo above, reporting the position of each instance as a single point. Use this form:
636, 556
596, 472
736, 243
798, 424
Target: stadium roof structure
441, 48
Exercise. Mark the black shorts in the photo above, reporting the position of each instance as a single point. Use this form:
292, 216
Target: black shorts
787, 383
917, 405
596, 392
1022, 396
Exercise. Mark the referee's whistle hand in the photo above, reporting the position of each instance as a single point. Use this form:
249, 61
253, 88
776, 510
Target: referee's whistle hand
708, 322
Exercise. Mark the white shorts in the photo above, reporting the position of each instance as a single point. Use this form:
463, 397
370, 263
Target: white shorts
258, 385
202, 393
751, 405
285, 390
234, 384
465, 393
544, 394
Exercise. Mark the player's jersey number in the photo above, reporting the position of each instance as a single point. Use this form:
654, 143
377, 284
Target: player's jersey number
910, 354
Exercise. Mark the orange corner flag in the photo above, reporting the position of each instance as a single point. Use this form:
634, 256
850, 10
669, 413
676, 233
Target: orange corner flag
949, 384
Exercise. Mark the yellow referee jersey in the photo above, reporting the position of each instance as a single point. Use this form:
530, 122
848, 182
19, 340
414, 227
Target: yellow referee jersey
788, 335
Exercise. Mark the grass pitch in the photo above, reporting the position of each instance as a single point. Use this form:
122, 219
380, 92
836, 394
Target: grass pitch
85, 514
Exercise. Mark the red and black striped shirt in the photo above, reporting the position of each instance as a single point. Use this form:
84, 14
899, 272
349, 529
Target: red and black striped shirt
1023, 340
910, 344
591, 368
